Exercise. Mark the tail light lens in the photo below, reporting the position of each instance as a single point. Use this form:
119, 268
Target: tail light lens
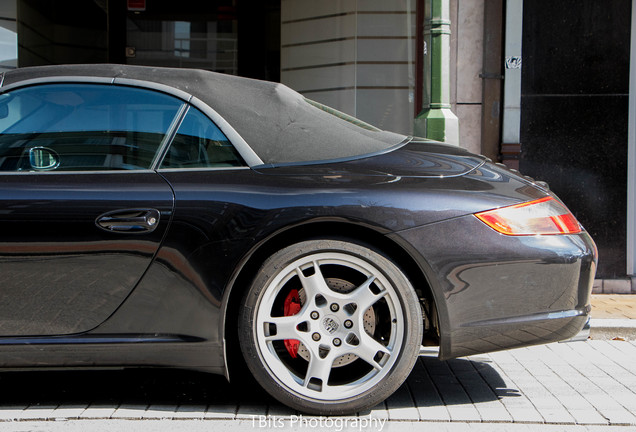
545, 216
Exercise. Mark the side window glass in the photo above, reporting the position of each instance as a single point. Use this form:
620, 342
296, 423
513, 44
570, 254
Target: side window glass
78, 127
199, 143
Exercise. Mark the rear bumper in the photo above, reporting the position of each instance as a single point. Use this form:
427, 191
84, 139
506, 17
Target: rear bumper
495, 292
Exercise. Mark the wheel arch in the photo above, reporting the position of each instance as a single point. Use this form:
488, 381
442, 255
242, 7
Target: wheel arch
337, 230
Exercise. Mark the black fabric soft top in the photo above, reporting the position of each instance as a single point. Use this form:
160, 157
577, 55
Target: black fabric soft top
275, 121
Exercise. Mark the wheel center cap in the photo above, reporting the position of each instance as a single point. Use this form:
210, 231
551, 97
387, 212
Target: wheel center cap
330, 324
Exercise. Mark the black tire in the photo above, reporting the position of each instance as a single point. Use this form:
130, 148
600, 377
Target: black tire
356, 317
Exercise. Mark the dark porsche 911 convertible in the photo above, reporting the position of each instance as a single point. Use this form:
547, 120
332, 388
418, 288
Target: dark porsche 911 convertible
181, 218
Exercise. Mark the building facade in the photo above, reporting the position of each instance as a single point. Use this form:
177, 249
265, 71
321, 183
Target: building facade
546, 87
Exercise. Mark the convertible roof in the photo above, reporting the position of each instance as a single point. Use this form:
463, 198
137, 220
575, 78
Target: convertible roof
277, 122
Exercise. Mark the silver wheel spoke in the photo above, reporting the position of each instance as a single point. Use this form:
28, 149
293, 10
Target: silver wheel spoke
318, 369
363, 297
314, 284
285, 328
368, 349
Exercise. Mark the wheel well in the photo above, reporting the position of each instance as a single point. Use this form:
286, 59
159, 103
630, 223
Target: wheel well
322, 230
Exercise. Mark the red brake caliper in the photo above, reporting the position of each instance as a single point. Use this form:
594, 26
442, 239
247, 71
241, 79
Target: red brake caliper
292, 307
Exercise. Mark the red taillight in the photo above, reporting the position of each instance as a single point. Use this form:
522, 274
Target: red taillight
544, 216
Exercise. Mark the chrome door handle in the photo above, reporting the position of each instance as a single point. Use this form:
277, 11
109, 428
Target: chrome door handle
129, 220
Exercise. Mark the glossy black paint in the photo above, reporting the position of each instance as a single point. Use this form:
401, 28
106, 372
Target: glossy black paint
61, 274
221, 215
483, 299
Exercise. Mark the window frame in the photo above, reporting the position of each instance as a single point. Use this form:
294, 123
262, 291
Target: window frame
248, 155
174, 132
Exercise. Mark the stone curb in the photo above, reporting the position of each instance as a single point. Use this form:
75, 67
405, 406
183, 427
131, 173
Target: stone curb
607, 329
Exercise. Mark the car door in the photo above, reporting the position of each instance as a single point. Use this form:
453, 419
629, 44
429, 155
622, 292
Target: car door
81, 211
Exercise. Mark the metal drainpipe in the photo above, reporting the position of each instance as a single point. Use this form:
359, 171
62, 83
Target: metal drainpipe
436, 120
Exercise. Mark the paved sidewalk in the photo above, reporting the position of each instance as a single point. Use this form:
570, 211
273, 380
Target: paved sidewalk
614, 306
578, 386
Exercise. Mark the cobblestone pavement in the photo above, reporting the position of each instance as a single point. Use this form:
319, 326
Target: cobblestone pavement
617, 306
579, 386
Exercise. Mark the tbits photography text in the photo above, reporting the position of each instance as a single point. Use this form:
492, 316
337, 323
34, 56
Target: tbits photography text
334, 424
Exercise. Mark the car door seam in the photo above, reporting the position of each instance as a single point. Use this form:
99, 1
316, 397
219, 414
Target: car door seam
150, 264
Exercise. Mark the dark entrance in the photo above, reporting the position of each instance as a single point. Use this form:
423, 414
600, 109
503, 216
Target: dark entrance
574, 113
